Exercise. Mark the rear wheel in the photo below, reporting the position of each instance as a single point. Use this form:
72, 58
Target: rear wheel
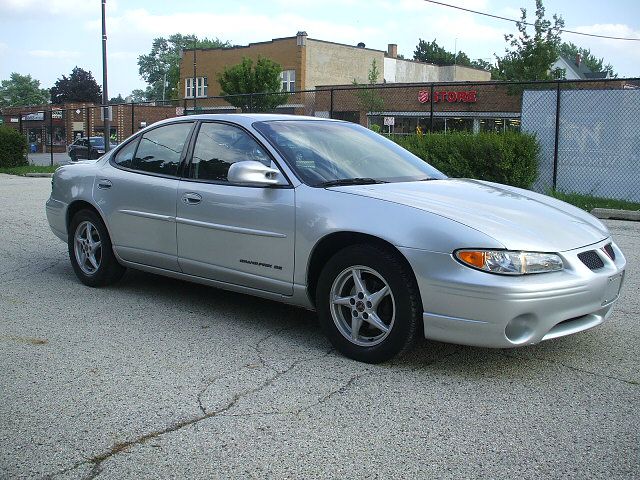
91, 252
368, 303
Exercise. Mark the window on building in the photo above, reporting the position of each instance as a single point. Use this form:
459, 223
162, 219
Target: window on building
202, 87
288, 78
218, 147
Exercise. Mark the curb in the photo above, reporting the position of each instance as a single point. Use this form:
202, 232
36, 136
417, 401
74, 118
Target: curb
613, 214
39, 175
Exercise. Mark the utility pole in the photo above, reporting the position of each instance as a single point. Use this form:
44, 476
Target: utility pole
105, 95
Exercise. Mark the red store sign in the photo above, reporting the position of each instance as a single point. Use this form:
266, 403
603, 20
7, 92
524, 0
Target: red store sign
468, 96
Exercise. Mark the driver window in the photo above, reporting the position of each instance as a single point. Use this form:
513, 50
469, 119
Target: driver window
218, 146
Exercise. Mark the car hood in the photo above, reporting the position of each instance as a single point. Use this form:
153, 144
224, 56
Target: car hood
518, 219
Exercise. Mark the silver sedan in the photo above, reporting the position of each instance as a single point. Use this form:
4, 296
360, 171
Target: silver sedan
333, 217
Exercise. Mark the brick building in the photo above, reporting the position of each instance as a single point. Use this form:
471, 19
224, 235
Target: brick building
72, 120
308, 63
456, 107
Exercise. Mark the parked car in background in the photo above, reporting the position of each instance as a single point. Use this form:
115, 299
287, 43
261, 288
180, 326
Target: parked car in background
87, 148
333, 217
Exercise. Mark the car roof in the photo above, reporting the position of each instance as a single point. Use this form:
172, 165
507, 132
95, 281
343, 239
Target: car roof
244, 119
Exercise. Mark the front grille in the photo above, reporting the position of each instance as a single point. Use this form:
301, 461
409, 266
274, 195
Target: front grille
591, 259
609, 251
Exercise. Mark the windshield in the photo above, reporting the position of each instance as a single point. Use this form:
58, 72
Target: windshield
325, 153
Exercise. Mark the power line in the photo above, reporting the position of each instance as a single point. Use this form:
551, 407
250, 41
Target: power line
531, 24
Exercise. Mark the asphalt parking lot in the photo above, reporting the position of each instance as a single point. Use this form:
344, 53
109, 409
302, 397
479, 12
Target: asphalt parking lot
157, 378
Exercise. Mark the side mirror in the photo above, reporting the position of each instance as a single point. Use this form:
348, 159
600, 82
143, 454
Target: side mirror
254, 173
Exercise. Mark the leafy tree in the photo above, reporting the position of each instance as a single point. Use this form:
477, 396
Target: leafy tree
137, 95
80, 86
370, 98
117, 100
163, 61
238, 81
431, 52
594, 63
530, 57
481, 64
22, 90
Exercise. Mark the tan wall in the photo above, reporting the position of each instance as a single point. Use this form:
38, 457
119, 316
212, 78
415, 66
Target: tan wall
334, 64
211, 62
405, 71
456, 73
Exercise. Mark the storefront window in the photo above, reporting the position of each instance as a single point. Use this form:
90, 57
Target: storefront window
113, 131
59, 136
499, 125
459, 124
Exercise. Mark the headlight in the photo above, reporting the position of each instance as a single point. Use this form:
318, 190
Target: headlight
507, 262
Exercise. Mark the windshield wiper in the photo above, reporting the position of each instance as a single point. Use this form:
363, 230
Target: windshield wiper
349, 181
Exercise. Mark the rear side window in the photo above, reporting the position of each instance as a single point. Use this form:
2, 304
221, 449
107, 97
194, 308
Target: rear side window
125, 155
159, 150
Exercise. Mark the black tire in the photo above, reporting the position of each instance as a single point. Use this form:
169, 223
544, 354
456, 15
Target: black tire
108, 269
73, 157
400, 310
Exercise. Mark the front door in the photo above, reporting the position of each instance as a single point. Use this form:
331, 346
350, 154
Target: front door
232, 233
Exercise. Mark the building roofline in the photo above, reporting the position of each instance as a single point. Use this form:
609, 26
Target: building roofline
236, 47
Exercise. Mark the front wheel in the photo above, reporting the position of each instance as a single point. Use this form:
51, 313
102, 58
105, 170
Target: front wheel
368, 303
91, 252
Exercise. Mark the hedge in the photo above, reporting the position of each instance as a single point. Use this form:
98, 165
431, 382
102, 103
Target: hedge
510, 158
13, 148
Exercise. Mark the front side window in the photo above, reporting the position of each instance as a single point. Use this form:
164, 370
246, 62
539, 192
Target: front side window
218, 146
160, 149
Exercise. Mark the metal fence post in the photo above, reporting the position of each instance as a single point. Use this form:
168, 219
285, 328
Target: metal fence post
88, 110
331, 103
557, 137
51, 135
431, 109
133, 117
251, 103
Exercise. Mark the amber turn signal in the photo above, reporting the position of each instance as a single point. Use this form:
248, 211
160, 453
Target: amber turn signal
476, 259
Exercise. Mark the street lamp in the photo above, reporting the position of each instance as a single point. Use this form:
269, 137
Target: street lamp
105, 96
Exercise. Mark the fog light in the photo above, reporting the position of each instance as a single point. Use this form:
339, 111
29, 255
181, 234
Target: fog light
520, 329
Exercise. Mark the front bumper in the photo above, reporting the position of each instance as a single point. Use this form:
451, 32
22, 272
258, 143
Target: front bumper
469, 307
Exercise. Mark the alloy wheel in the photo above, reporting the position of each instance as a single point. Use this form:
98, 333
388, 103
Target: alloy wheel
362, 306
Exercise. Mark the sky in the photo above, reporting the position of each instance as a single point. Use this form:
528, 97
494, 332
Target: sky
48, 38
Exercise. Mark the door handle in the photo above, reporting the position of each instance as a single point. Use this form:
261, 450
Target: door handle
191, 198
104, 184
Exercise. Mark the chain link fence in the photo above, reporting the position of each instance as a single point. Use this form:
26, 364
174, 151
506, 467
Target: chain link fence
588, 131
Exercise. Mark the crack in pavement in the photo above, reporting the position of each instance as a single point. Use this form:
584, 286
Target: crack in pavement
571, 367
29, 274
98, 460
261, 359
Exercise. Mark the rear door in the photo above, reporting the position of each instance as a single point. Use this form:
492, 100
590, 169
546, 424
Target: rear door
137, 192
232, 233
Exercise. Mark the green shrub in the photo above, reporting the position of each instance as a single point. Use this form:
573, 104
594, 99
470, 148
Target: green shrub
13, 148
510, 158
